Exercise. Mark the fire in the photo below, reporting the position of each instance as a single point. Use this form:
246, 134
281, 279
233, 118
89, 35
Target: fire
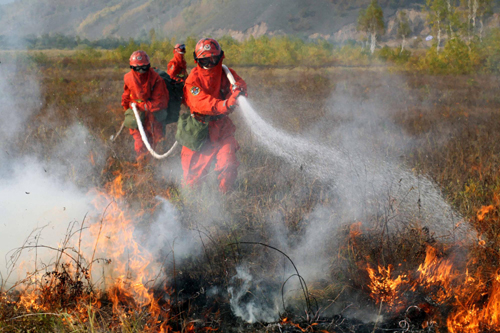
435, 273
476, 303
309, 328
384, 288
473, 315
110, 264
134, 271
481, 213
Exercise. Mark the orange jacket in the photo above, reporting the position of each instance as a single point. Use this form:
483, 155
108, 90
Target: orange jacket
206, 90
147, 90
176, 68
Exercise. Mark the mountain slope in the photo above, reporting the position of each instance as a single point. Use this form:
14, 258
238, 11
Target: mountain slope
135, 18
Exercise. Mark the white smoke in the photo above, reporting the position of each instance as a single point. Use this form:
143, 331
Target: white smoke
351, 152
248, 303
19, 99
33, 197
45, 193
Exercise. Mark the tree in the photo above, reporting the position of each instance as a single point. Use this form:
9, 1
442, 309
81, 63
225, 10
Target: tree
437, 14
476, 9
403, 26
371, 21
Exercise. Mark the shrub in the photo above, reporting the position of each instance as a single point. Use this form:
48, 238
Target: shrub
394, 55
456, 58
490, 48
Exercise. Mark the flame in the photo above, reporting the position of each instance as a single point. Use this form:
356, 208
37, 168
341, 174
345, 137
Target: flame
309, 328
134, 271
383, 287
475, 303
483, 211
130, 272
92, 159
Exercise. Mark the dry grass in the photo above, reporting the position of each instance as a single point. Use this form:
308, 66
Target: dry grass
453, 126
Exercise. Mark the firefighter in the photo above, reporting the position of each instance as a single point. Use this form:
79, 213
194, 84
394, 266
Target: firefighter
211, 98
144, 87
176, 67
177, 74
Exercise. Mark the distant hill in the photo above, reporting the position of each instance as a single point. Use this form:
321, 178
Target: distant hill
334, 20
95, 19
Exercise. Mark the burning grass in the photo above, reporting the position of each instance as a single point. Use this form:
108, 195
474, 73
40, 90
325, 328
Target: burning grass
106, 278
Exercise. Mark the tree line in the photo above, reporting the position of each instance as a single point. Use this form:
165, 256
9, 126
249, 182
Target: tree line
460, 43
454, 19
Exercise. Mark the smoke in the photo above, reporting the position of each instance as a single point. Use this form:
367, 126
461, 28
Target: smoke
20, 98
166, 235
48, 193
32, 198
249, 302
355, 151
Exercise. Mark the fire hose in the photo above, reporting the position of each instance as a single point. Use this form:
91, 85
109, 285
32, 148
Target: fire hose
141, 128
145, 138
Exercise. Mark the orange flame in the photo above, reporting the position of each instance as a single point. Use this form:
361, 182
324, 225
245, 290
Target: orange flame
483, 211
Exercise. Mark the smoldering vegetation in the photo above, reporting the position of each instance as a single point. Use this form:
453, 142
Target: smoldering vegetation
341, 169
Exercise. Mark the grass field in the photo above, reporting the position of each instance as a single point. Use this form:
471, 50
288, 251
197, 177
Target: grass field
441, 129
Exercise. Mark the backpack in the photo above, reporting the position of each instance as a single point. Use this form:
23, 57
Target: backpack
175, 93
191, 133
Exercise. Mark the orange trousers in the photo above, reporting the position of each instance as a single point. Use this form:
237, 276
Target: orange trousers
154, 132
196, 164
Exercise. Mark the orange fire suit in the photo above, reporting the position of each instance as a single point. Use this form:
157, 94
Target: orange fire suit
150, 93
176, 68
205, 93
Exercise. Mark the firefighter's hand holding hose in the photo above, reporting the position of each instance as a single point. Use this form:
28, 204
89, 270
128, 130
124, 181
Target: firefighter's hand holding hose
232, 101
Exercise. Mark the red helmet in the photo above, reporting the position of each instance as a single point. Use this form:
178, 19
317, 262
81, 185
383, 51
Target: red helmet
180, 48
206, 48
139, 58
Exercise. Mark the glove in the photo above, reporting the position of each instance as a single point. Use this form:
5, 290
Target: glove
235, 87
232, 101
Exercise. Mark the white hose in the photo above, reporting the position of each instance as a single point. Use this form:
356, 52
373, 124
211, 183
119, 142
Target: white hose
143, 134
230, 78
145, 138
229, 74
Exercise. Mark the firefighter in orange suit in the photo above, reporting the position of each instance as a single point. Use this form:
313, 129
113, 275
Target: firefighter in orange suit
144, 87
176, 67
211, 98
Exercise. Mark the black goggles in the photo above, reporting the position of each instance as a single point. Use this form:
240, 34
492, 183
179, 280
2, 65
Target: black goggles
207, 62
182, 48
140, 68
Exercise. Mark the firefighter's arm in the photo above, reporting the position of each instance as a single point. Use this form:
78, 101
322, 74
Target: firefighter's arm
200, 102
159, 97
126, 97
173, 68
240, 83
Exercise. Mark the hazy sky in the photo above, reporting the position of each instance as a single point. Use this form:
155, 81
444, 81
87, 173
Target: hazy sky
5, 1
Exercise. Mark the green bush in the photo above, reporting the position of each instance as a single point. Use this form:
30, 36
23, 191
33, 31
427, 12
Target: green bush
38, 58
490, 48
394, 55
456, 58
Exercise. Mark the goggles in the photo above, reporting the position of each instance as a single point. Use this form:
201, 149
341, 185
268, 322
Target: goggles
181, 48
209, 62
141, 68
